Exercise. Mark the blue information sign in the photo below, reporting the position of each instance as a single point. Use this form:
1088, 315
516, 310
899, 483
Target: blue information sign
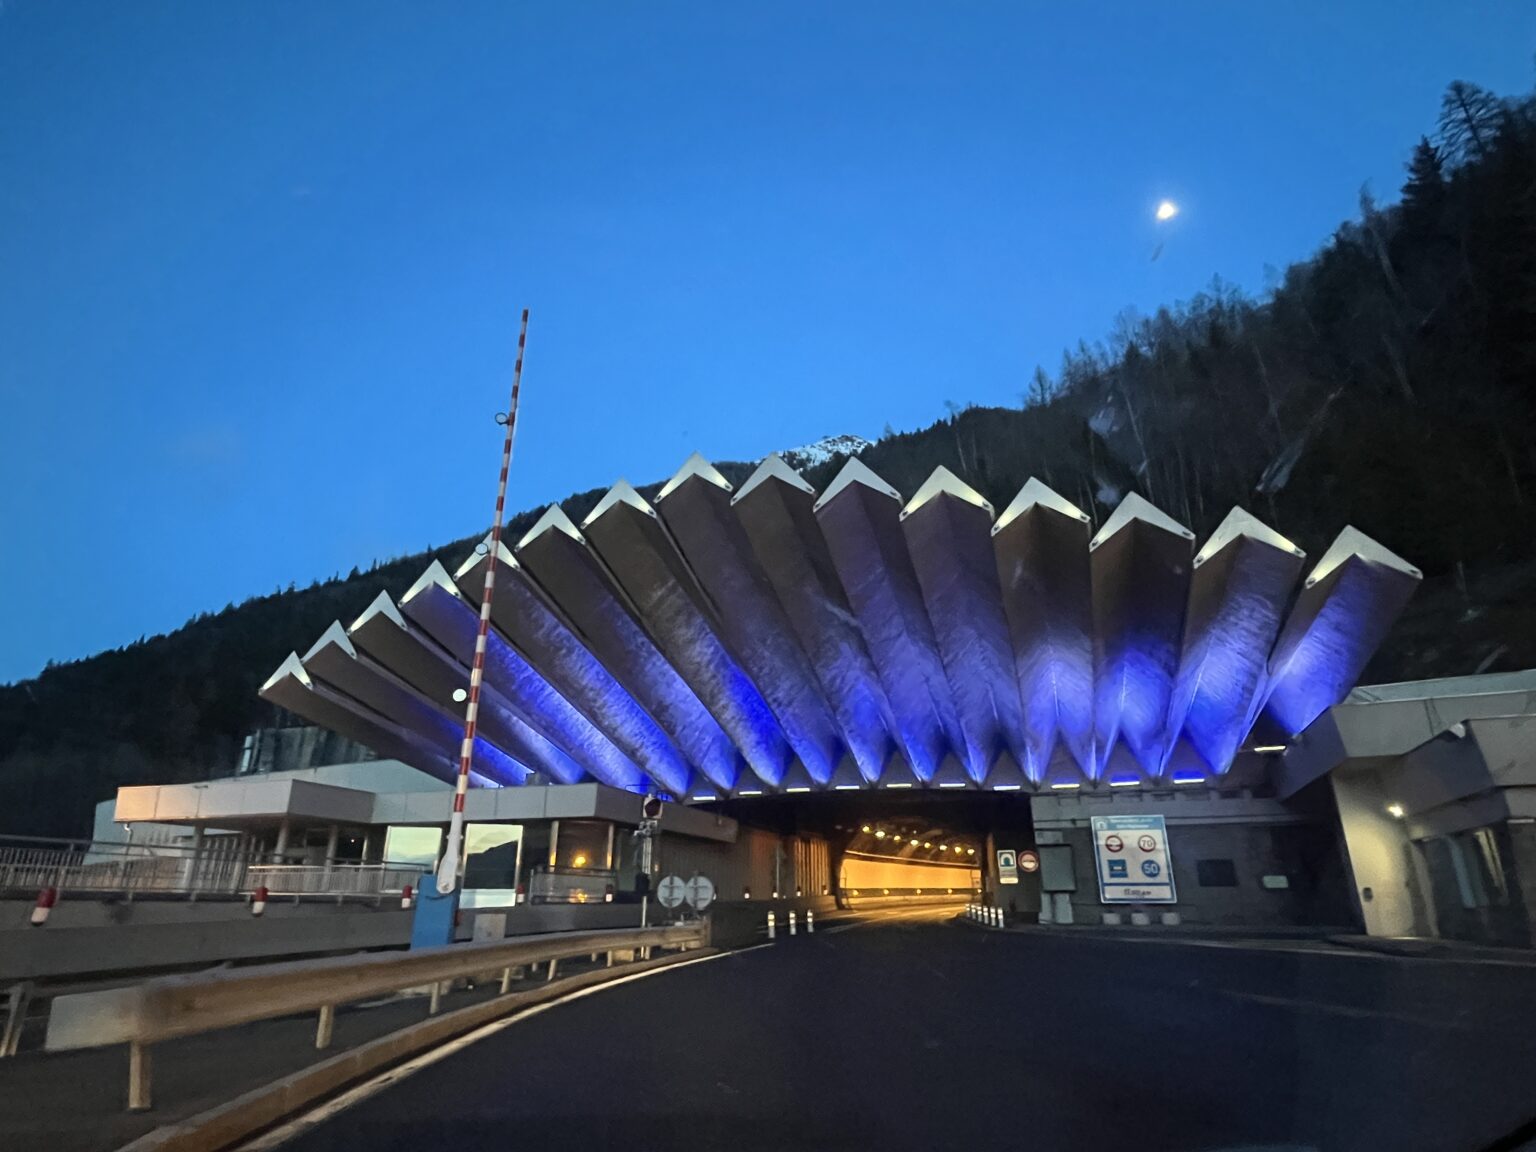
1134, 866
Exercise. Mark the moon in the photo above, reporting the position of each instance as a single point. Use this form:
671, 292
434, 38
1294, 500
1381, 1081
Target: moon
1167, 210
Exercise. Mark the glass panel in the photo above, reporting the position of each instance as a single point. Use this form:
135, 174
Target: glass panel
490, 855
582, 844
407, 845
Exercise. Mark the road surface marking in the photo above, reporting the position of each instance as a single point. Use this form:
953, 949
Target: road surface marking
388, 1078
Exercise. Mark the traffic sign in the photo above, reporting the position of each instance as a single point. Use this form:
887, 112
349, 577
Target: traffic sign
1007, 866
699, 892
671, 892
1133, 861
1029, 860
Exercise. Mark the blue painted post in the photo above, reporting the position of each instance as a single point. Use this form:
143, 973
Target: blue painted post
433, 924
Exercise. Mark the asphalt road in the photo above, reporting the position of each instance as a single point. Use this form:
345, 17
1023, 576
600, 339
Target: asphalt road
912, 1033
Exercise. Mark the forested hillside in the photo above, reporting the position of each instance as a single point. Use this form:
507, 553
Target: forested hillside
1386, 382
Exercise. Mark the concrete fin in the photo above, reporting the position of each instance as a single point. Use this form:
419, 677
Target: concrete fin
944, 482
1243, 524
336, 635
1135, 507
774, 468
620, 493
435, 574
482, 550
695, 465
554, 518
855, 472
1036, 492
1353, 542
382, 606
291, 666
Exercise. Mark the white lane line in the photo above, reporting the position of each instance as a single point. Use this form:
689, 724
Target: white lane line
1329, 1009
275, 1137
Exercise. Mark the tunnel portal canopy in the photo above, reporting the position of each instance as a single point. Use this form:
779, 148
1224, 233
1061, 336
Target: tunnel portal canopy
773, 640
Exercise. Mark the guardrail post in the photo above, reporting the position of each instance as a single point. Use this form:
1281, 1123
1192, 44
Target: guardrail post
770, 925
506, 980
791, 921
553, 965
16, 1015
326, 1026
139, 1074
437, 998
810, 921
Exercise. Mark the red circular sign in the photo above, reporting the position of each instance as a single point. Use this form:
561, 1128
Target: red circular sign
1147, 844
1114, 844
1029, 860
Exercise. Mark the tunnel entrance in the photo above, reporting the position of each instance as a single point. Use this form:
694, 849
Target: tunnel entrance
893, 847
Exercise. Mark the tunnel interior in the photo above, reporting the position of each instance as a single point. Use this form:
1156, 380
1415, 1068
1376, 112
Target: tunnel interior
892, 846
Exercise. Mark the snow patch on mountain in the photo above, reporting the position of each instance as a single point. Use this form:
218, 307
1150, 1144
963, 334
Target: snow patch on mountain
827, 448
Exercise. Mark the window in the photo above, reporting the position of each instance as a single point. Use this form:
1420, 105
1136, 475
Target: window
1216, 873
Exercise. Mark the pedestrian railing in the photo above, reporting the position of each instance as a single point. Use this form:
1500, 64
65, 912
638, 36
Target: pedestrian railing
174, 1006
221, 866
571, 886
340, 880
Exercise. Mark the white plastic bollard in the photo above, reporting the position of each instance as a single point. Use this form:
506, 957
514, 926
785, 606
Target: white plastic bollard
770, 926
259, 900
810, 921
44, 907
791, 921
407, 895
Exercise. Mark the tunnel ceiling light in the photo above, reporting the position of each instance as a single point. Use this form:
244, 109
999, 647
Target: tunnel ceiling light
1188, 778
845, 788
914, 842
1124, 782
750, 792
705, 796
927, 844
1005, 787
797, 789
1267, 748
865, 828
1066, 785
970, 851
943, 847
898, 785
880, 835
1395, 811
953, 784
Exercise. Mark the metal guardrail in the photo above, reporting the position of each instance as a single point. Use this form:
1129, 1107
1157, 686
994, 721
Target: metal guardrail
173, 1006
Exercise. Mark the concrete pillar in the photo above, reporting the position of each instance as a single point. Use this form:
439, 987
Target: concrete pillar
280, 848
554, 841
332, 842
608, 858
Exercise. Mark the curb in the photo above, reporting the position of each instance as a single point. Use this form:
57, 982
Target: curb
249, 1113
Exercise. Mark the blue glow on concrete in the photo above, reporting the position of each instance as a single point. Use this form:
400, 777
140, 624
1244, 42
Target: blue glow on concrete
586, 682
1132, 701
1318, 670
555, 715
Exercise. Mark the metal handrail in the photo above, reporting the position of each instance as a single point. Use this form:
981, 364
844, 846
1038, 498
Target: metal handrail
173, 1006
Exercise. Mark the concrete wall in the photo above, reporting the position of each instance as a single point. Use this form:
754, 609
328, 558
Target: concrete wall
94, 937
1259, 837
747, 865
1387, 882
866, 872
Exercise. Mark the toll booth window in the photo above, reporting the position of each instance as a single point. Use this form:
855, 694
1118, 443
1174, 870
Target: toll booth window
490, 855
406, 845
582, 844
1216, 873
